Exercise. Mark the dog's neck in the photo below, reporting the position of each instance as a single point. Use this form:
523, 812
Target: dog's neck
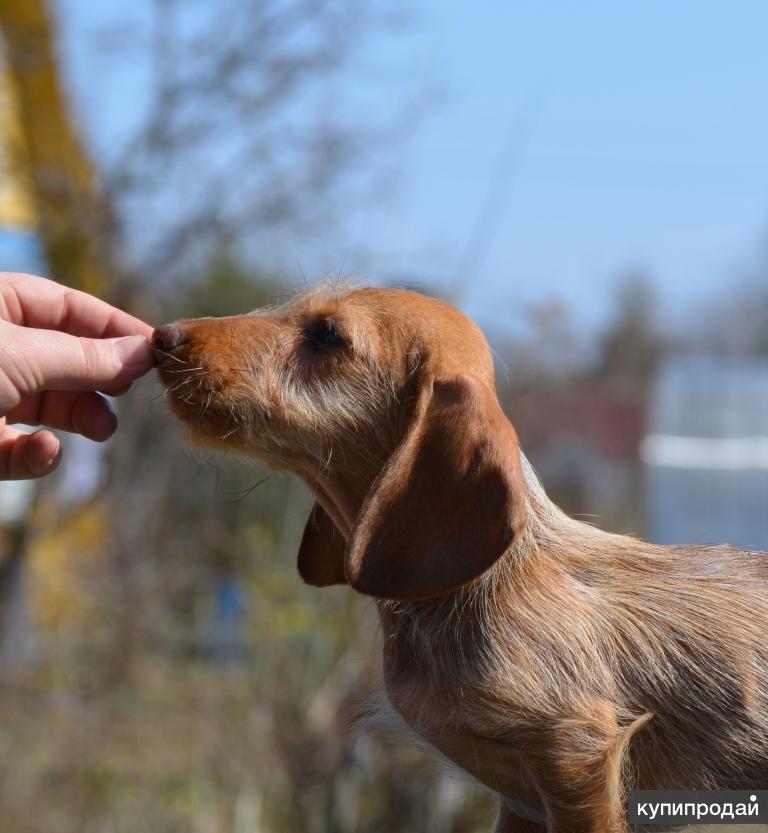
567, 545
341, 498
341, 489
461, 638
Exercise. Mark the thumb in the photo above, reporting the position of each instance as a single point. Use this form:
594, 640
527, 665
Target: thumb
38, 360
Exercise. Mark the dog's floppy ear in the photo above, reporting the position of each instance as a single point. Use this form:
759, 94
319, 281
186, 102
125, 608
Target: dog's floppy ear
449, 501
322, 550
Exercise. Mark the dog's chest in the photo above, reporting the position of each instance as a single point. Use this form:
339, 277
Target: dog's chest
456, 715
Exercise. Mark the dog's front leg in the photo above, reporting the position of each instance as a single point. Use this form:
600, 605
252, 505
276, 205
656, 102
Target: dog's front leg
576, 766
577, 798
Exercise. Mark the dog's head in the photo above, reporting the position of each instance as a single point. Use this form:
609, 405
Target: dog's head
383, 401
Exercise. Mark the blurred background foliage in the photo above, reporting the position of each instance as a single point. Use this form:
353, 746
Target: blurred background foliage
162, 667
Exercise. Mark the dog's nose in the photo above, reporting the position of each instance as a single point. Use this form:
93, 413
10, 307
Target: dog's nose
167, 337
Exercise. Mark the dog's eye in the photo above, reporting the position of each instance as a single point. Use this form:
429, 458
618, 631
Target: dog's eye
325, 333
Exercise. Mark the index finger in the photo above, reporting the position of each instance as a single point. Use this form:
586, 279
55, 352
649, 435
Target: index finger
37, 302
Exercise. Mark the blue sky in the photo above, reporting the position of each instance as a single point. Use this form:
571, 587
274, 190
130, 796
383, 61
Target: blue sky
608, 137
646, 148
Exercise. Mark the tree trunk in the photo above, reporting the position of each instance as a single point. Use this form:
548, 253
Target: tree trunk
74, 221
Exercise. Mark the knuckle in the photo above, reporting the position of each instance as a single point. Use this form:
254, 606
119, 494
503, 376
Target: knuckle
95, 359
9, 394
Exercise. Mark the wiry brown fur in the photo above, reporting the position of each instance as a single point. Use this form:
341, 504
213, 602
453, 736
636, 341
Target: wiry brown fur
573, 664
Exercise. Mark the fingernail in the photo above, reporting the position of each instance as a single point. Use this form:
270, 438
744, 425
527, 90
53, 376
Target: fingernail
53, 460
132, 351
42, 460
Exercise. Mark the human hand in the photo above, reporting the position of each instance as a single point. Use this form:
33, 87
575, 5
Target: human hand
58, 347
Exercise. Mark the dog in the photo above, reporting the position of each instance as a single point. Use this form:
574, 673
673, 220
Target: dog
558, 664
